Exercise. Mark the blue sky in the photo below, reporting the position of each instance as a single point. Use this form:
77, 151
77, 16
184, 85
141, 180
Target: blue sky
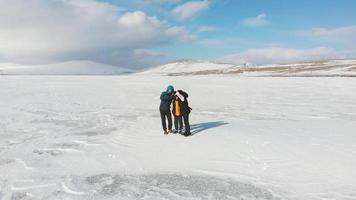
286, 22
140, 33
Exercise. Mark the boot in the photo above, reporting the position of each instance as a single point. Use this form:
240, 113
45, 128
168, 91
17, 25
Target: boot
186, 134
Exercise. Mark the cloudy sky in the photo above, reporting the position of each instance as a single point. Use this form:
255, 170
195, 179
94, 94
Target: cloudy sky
139, 33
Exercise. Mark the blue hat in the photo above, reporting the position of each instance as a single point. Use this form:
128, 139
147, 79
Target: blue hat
170, 87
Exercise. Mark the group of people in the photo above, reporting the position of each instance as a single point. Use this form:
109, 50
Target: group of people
178, 100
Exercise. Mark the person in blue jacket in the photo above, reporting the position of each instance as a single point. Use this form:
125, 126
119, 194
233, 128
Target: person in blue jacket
165, 109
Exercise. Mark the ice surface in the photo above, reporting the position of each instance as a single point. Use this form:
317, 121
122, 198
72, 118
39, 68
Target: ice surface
99, 137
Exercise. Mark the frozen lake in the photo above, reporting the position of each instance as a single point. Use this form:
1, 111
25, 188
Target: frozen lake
100, 137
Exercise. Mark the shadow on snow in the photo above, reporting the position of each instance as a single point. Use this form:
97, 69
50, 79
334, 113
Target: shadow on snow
197, 128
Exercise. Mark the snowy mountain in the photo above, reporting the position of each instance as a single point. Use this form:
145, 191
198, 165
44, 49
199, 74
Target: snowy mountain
327, 68
191, 67
188, 66
65, 68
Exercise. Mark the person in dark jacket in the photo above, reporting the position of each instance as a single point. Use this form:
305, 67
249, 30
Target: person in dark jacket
165, 109
184, 110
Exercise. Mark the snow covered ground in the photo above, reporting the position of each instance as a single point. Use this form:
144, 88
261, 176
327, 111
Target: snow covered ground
99, 137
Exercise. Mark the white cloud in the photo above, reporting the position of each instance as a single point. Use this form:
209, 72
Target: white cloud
203, 29
257, 21
62, 30
190, 9
138, 19
345, 35
335, 32
182, 34
282, 55
144, 53
161, 1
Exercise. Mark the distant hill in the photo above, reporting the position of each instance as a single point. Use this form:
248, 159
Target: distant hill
188, 67
65, 68
328, 68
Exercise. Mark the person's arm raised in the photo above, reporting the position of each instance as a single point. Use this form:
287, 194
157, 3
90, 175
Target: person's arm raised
183, 93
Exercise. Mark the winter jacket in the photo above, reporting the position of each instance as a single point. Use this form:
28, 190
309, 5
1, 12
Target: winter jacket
177, 106
166, 100
182, 103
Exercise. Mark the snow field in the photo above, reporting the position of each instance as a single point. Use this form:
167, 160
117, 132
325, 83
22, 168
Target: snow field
100, 137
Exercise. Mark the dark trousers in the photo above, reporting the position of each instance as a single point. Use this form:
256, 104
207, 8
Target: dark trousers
178, 123
164, 115
186, 122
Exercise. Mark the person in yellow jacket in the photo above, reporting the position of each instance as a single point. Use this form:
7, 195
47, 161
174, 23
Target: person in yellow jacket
177, 113
181, 111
